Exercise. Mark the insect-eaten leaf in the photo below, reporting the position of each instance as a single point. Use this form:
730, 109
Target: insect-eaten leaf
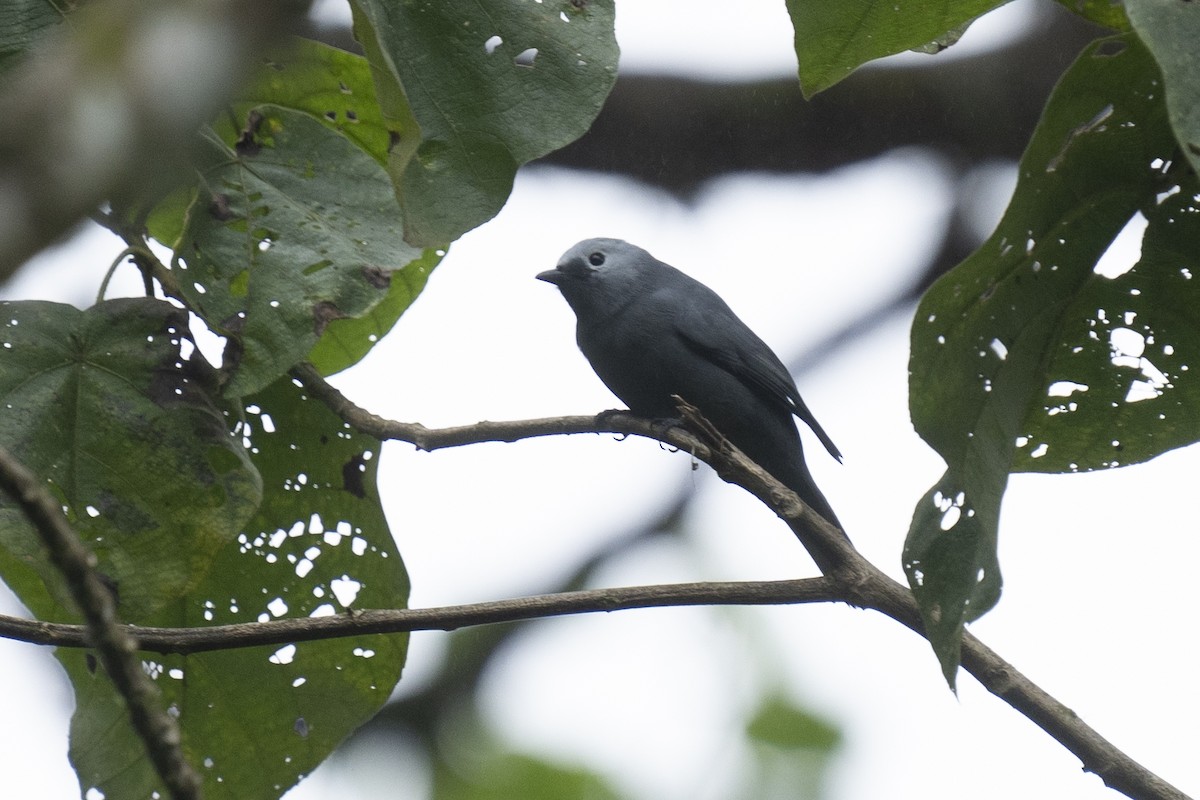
102, 405
318, 546
294, 229
1034, 354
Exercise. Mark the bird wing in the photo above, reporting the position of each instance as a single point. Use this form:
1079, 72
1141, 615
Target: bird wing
714, 332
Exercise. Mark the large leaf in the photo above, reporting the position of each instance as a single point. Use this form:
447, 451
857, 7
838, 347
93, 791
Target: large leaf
335, 88
1171, 29
999, 339
330, 85
295, 228
471, 91
834, 39
1119, 388
101, 404
255, 721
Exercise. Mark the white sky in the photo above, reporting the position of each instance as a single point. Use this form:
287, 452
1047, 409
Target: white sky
655, 698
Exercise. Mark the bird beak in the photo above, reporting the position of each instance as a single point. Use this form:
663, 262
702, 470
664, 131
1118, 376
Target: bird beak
554, 276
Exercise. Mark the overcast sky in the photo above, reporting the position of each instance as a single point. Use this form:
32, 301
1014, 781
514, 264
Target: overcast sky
1098, 568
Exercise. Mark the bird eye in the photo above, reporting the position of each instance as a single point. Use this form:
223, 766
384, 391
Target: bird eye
596, 259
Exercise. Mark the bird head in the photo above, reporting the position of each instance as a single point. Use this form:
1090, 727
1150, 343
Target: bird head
602, 274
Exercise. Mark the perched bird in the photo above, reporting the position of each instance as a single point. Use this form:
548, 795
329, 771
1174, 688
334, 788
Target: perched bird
650, 332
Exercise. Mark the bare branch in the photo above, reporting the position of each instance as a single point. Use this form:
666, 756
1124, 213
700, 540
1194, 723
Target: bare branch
429, 439
103, 631
856, 580
360, 623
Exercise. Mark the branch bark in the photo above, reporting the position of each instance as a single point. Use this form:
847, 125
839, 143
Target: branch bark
113, 641
856, 580
848, 578
187, 641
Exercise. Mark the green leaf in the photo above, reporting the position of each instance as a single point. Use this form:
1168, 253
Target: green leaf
168, 216
23, 23
330, 85
296, 227
348, 339
834, 39
781, 723
102, 405
995, 338
256, 720
1171, 29
1120, 387
1109, 13
336, 89
489, 772
792, 750
473, 91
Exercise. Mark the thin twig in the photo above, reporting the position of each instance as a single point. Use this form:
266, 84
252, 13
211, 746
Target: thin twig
358, 623
103, 631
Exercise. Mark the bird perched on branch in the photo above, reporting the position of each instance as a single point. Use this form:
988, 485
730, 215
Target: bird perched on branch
651, 332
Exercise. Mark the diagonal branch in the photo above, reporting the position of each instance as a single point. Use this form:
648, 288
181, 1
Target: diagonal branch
856, 580
103, 631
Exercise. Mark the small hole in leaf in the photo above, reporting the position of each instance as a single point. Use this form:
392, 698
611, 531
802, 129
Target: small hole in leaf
283, 655
950, 518
491, 44
525, 57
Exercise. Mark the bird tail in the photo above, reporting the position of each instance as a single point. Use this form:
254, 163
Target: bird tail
802, 483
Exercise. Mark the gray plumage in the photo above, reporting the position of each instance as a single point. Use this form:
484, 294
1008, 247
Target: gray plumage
650, 331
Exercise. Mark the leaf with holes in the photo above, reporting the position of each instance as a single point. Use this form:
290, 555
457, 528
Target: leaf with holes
102, 405
319, 545
472, 91
834, 39
330, 85
335, 88
1121, 389
1172, 30
993, 339
295, 228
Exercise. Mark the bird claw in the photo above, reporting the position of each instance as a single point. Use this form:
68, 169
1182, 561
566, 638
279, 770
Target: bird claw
605, 417
658, 426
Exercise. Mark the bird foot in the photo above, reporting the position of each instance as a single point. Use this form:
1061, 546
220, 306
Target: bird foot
605, 417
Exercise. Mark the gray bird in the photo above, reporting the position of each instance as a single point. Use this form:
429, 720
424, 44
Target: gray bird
650, 332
